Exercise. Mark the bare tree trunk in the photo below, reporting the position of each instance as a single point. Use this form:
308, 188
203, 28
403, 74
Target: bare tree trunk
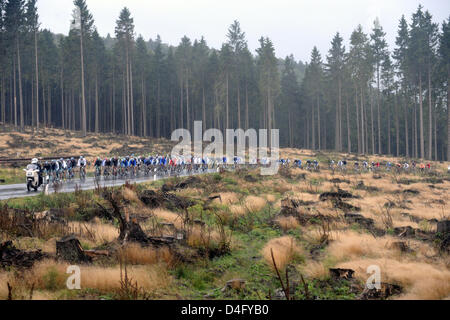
125, 103
246, 109
307, 132
3, 99
406, 128
19, 69
357, 120
144, 108
133, 132
435, 137
128, 96
49, 94
363, 146
227, 106
113, 106
158, 110
378, 110
63, 111
422, 146
239, 106
37, 79
172, 112
181, 103
448, 112
290, 128
44, 107
96, 104
83, 99
188, 121
318, 120
349, 141
371, 122
389, 125
430, 117
339, 123
33, 113
15, 92
203, 109
416, 148
397, 134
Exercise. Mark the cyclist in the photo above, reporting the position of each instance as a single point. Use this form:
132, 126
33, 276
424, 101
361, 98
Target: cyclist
106, 164
356, 166
332, 165
63, 168
114, 163
316, 165
82, 163
97, 166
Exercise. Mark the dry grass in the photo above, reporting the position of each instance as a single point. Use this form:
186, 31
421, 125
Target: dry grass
254, 203
285, 250
202, 237
227, 198
420, 280
238, 210
96, 232
3, 286
135, 254
107, 279
315, 270
169, 216
353, 245
51, 276
271, 198
131, 195
287, 223
67, 142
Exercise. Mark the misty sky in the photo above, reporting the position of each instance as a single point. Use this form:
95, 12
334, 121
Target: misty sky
294, 26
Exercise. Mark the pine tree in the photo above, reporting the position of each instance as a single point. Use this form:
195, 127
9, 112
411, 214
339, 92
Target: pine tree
125, 36
444, 52
401, 63
378, 47
334, 67
289, 99
14, 24
83, 22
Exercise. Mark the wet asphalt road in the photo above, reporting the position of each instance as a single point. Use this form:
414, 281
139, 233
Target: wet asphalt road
11, 191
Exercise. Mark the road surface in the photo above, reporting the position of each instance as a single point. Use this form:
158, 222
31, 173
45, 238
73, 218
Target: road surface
10, 191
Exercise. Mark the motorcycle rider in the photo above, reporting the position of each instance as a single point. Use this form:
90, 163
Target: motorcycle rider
35, 162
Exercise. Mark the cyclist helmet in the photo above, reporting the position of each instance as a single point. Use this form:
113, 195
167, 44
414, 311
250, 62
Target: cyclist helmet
34, 161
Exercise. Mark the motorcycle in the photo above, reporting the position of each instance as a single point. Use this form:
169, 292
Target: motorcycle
34, 179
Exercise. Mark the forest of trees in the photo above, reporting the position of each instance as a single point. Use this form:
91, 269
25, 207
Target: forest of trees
367, 98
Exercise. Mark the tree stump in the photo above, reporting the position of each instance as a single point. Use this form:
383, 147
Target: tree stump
69, 249
338, 273
443, 226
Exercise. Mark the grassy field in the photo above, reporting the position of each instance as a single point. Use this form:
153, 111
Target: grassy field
51, 142
226, 252
260, 234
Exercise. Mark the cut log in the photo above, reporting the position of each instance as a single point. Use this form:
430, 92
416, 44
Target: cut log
338, 273
11, 256
69, 249
386, 290
443, 226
